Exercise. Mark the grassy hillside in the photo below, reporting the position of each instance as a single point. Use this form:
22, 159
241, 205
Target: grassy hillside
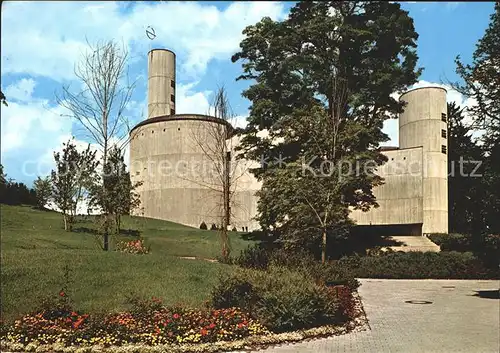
35, 250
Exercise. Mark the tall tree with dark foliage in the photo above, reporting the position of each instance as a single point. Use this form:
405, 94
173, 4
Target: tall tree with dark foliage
299, 110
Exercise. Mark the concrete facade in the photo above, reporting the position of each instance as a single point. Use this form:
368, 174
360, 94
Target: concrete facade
415, 192
175, 156
181, 176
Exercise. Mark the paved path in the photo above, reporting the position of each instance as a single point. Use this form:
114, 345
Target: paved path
414, 243
456, 321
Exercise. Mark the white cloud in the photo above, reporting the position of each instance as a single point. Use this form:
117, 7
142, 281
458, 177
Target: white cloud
52, 43
21, 90
30, 122
189, 101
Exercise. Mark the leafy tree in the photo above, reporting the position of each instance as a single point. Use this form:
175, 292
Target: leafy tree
13, 193
465, 187
113, 192
3, 99
481, 81
43, 190
72, 171
324, 78
88, 164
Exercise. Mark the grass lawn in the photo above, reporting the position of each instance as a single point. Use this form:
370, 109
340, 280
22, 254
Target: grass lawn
35, 249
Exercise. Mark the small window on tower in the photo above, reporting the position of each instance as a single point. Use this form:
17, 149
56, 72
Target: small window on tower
443, 149
172, 98
443, 117
172, 111
443, 133
172, 84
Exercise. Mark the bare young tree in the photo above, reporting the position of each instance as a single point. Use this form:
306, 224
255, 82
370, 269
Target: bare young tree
99, 106
216, 143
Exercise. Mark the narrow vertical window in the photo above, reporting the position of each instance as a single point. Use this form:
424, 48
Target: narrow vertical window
443, 117
443, 133
443, 149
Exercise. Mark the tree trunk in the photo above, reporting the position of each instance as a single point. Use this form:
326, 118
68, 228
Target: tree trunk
65, 222
117, 222
106, 233
226, 217
323, 248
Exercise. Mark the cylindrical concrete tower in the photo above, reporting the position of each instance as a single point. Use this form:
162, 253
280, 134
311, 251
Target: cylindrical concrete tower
174, 158
177, 158
161, 83
424, 124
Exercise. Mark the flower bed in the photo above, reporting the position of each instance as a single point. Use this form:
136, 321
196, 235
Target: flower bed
164, 326
103, 342
149, 326
133, 247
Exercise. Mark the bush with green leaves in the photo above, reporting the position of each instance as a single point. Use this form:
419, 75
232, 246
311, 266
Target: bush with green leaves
281, 299
260, 257
256, 257
485, 247
417, 265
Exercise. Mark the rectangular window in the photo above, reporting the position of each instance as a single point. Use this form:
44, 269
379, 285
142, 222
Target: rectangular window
172, 83
443, 149
172, 111
443, 117
443, 133
172, 98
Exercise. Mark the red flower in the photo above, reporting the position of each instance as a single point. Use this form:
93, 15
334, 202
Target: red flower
77, 323
62, 294
176, 316
240, 325
203, 332
212, 325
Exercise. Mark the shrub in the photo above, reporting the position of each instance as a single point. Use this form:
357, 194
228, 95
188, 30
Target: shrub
213, 227
203, 226
257, 257
485, 247
417, 265
281, 299
453, 242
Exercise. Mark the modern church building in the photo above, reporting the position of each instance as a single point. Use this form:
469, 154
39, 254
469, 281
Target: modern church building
173, 155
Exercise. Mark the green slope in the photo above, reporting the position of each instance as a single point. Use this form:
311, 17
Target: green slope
35, 249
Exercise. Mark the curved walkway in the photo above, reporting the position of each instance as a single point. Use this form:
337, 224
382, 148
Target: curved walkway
463, 317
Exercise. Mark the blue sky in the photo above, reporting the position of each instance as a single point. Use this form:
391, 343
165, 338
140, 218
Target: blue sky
41, 41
